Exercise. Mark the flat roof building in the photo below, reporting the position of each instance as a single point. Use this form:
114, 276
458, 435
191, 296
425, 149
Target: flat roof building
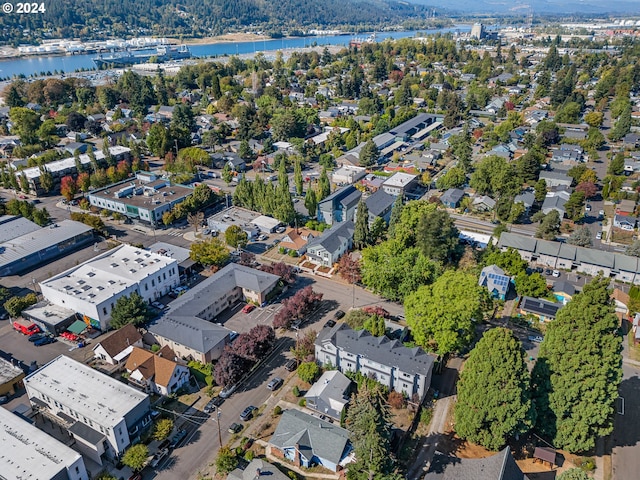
36, 247
400, 183
30, 453
104, 415
10, 377
140, 199
92, 288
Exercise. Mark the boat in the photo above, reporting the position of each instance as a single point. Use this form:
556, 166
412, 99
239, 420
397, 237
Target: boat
124, 59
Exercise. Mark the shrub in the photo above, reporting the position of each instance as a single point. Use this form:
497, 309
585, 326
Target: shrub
303, 402
277, 410
425, 416
296, 391
248, 456
396, 399
155, 348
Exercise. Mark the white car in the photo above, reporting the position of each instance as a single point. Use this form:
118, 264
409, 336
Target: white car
556, 273
599, 236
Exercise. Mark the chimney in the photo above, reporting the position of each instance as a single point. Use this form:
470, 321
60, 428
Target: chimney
296, 457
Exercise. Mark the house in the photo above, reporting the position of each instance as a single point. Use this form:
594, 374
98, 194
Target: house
330, 394
495, 280
483, 203
621, 301
340, 206
161, 373
543, 310
555, 178
28, 452
625, 222
500, 466
348, 175
631, 140
626, 207
306, 440
563, 291
102, 414
380, 205
372, 182
526, 198
255, 470
405, 370
555, 200
451, 198
327, 249
297, 239
400, 183
117, 347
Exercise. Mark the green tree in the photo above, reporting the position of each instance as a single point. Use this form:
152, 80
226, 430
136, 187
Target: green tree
594, 119
132, 309
308, 372
361, 232
136, 457
236, 237
158, 140
540, 190
549, 226
378, 228
396, 214
369, 154
493, 175
510, 260
622, 126
573, 207
442, 316
324, 187
533, 285
581, 237
162, 429
437, 236
494, 402
227, 174
576, 377
15, 305
297, 177
25, 123
616, 165
454, 178
226, 461
46, 179
369, 423
210, 252
311, 202
375, 325
574, 474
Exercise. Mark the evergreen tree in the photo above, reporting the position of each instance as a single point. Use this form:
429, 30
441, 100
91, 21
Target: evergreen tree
46, 179
396, 213
311, 202
361, 231
540, 190
369, 154
437, 236
132, 309
494, 403
324, 187
297, 177
227, 174
579, 368
108, 158
622, 125
92, 158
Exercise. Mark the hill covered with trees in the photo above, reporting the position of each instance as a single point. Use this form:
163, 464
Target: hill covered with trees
190, 18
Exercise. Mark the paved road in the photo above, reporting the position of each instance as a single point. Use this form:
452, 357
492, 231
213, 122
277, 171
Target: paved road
626, 435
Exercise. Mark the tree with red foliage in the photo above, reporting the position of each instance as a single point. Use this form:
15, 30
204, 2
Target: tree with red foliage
83, 182
589, 189
230, 367
284, 271
376, 310
349, 269
68, 187
254, 344
509, 106
296, 307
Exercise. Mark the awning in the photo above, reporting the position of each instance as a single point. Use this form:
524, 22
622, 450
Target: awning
77, 327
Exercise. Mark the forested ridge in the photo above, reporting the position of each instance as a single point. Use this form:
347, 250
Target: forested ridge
190, 18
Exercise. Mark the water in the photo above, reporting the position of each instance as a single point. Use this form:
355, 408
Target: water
71, 63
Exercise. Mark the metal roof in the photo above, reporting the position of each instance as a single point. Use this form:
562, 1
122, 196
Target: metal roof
14, 226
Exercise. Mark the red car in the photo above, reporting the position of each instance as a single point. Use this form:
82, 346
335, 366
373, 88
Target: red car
248, 308
26, 329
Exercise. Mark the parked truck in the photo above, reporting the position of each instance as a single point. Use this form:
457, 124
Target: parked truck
28, 330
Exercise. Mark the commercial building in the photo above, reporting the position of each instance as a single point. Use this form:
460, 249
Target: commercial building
22, 247
405, 370
10, 377
146, 199
92, 288
30, 453
102, 414
67, 166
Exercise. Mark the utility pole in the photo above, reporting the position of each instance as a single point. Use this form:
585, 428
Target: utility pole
218, 422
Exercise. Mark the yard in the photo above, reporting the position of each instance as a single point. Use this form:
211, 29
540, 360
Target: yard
622, 236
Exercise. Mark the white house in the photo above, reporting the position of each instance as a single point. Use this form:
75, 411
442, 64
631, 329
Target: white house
162, 373
102, 414
348, 175
92, 288
117, 347
331, 245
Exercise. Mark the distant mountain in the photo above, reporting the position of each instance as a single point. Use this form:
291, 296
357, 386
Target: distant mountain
73, 18
577, 7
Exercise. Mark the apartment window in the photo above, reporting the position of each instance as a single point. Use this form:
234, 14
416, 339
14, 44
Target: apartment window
104, 310
164, 275
146, 287
153, 283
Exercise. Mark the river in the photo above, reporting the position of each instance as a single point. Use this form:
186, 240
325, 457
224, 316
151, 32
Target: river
71, 63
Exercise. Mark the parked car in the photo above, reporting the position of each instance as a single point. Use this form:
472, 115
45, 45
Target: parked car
177, 438
247, 413
217, 401
235, 428
291, 365
136, 476
3, 399
601, 213
547, 271
227, 391
44, 341
157, 458
599, 236
233, 335
206, 231
535, 338
37, 336
158, 305
210, 407
556, 273
248, 308
26, 329
338, 315
275, 384
330, 324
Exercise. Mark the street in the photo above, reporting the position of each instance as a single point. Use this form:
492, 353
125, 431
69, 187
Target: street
626, 435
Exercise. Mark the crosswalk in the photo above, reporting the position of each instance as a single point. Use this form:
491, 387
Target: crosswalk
175, 233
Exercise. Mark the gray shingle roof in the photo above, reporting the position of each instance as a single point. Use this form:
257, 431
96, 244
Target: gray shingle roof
190, 331
331, 239
453, 195
379, 202
519, 242
251, 471
312, 435
500, 466
387, 352
341, 194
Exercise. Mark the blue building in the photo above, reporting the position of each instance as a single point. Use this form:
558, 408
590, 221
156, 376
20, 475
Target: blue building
340, 206
495, 280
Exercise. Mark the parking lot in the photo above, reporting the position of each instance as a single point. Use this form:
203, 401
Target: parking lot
235, 319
